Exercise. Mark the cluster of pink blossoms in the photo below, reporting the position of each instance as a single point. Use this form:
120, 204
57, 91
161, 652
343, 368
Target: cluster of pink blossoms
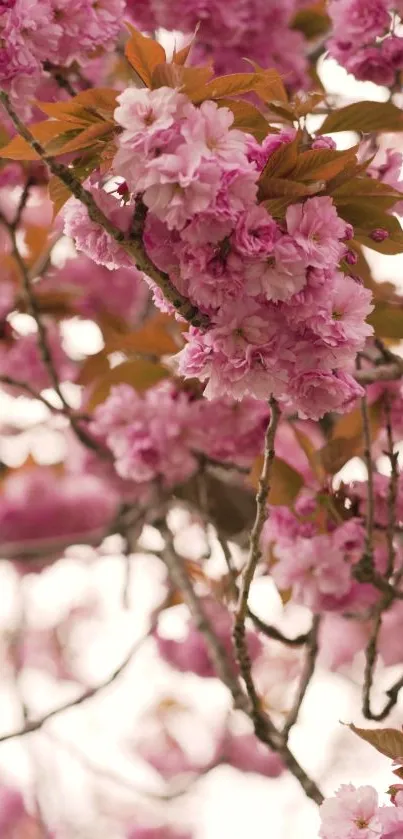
317, 566
41, 513
260, 29
283, 319
364, 38
161, 434
35, 33
355, 813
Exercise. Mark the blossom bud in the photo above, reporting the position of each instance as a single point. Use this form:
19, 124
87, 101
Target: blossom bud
323, 143
349, 232
396, 794
351, 258
379, 234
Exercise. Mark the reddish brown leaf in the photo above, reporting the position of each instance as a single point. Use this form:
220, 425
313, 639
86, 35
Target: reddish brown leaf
144, 54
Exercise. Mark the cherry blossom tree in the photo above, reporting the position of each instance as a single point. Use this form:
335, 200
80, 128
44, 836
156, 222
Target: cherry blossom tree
222, 225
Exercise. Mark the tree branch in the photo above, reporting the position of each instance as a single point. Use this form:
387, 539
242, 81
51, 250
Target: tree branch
306, 676
133, 247
383, 373
253, 559
264, 728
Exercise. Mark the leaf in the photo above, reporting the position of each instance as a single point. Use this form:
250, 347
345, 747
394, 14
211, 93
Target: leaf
387, 320
365, 117
91, 105
347, 438
44, 132
143, 54
231, 85
383, 197
93, 368
277, 206
59, 193
139, 373
270, 88
312, 21
310, 452
182, 55
303, 105
325, 164
365, 217
387, 741
86, 138
230, 507
247, 117
336, 453
282, 161
285, 482
154, 338
284, 187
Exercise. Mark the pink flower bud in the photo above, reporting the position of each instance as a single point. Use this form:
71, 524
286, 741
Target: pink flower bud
379, 234
351, 258
396, 794
323, 143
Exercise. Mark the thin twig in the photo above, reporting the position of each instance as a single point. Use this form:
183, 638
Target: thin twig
24, 386
364, 570
306, 676
180, 579
266, 629
253, 559
134, 247
35, 725
392, 492
264, 728
383, 373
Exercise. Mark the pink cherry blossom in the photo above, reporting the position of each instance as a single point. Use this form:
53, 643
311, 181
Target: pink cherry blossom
352, 813
316, 392
317, 231
90, 238
41, 513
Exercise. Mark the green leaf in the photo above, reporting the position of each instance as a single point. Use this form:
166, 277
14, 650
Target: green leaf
365, 117
59, 193
143, 54
387, 741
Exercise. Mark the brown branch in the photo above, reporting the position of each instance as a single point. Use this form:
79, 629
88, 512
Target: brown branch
133, 247
306, 676
180, 579
266, 629
364, 570
383, 373
253, 559
17, 383
392, 492
264, 728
